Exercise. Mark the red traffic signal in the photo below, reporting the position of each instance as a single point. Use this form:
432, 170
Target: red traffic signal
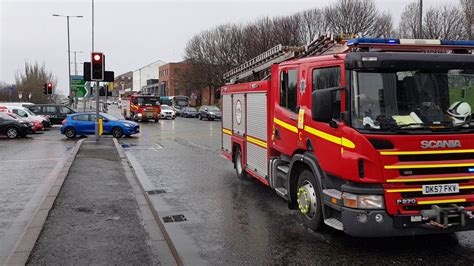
48, 88
97, 66
50, 85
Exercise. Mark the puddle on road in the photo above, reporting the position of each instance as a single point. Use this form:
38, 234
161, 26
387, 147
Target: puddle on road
133, 146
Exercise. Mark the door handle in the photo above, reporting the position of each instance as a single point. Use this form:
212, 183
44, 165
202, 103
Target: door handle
277, 133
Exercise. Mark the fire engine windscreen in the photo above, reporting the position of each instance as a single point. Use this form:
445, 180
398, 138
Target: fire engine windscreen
412, 99
147, 101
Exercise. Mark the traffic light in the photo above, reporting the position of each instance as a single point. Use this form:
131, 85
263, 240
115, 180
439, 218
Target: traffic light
50, 88
97, 68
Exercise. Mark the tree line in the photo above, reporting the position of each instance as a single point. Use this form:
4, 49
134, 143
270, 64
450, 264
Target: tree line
213, 52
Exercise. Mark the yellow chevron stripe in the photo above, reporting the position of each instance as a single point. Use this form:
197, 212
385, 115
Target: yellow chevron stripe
405, 180
226, 131
418, 166
440, 201
425, 152
285, 125
340, 141
257, 142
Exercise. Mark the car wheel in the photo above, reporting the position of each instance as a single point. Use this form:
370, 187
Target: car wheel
239, 166
309, 201
70, 132
200, 117
12, 132
117, 132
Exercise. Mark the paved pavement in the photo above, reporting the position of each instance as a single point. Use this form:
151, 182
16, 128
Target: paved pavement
229, 221
96, 218
27, 166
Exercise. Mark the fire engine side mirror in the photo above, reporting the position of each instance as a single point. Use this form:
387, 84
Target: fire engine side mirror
323, 104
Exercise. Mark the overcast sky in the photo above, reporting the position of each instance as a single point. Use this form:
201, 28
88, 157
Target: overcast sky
130, 33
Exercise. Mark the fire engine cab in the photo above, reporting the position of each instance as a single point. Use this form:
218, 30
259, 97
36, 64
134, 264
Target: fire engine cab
141, 107
373, 137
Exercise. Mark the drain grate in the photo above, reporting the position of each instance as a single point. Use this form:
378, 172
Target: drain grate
156, 191
174, 218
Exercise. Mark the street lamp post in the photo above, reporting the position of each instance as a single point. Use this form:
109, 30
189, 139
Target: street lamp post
68, 52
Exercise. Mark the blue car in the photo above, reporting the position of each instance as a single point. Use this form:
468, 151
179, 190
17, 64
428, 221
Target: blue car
84, 124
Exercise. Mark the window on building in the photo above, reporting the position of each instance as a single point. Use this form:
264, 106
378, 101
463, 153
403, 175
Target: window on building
288, 89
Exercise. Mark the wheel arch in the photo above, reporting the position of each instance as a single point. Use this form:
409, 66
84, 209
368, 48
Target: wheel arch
300, 162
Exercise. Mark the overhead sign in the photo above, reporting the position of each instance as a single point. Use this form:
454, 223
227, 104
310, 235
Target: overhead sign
78, 86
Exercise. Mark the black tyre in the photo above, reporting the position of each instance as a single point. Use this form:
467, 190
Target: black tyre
309, 201
70, 132
117, 132
239, 166
12, 132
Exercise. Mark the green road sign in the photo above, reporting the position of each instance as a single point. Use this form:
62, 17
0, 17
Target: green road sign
78, 86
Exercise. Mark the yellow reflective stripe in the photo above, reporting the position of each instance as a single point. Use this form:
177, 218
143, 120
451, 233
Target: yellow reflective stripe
226, 131
403, 180
341, 141
418, 189
440, 201
418, 166
404, 190
257, 142
424, 152
285, 125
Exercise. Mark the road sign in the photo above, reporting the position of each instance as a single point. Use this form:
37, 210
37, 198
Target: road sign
78, 85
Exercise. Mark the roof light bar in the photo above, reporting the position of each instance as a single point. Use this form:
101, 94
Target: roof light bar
356, 41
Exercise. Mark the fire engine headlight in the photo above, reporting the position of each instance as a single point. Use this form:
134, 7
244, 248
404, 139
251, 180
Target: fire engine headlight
139, 115
363, 201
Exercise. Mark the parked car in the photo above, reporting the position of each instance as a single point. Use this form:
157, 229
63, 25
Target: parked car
167, 112
26, 113
13, 128
36, 125
210, 112
84, 124
178, 110
189, 112
55, 112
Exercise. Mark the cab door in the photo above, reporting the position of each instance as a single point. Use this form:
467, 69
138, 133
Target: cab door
285, 132
326, 138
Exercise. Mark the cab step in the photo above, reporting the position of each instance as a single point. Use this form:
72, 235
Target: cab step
334, 223
282, 192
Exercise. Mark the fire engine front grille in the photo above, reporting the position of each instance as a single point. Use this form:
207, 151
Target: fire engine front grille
427, 207
436, 157
435, 171
419, 194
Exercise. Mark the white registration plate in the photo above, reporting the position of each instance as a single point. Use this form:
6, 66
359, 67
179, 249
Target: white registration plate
440, 189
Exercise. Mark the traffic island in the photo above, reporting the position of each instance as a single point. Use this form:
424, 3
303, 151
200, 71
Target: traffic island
100, 216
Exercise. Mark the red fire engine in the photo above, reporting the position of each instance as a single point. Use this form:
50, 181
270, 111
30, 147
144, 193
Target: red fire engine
141, 107
369, 136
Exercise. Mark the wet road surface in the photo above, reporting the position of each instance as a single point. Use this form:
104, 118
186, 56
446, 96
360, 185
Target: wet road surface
26, 166
230, 221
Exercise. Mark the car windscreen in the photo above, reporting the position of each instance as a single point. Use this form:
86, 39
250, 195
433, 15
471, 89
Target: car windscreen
191, 109
213, 108
165, 108
6, 117
110, 117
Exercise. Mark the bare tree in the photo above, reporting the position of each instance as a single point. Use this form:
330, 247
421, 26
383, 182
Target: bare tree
312, 23
444, 22
31, 81
467, 9
409, 21
357, 17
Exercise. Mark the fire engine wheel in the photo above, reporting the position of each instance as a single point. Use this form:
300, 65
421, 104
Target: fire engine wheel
309, 200
117, 132
238, 165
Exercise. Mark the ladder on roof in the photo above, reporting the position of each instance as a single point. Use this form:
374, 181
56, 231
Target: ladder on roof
324, 44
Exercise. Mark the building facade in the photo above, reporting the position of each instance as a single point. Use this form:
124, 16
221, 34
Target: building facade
171, 82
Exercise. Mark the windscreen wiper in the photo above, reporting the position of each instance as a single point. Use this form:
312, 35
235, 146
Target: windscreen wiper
421, 125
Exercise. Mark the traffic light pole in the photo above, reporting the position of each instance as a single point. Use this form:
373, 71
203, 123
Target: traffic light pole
97, 111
